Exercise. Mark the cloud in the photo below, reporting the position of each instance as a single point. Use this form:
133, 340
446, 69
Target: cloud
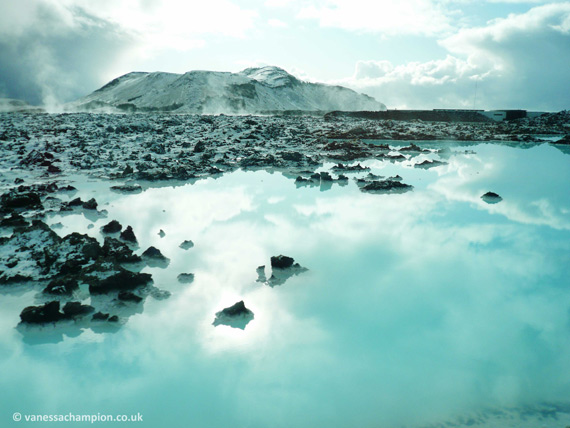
276, 23
54, 51
517, 62
423, 17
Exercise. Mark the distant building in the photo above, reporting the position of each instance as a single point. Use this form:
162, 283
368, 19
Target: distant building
500, 115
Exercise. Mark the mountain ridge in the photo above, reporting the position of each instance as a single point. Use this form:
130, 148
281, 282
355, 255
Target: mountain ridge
253, 90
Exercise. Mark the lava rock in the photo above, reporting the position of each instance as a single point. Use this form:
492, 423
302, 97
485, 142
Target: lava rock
386, 186
236, 316
281, 262
76, 309
47, 313
186, 245
426, 164
100, 316
112, 227
128, 235
14, 200
77, 202
119, 251
491, 198
91, 204
123, 280
128, 296
153, 253
61, 287
127, 188
15, 220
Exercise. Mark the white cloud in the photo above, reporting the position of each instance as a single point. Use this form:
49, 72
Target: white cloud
518, 62
426, 17
276, 23
172, 23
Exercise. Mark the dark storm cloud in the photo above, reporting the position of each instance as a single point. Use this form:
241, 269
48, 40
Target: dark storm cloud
49, 55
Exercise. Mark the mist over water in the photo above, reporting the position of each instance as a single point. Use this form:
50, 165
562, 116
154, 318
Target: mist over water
417, 309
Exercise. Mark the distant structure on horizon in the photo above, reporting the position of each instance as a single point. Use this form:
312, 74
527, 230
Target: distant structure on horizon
440, 115
499, 115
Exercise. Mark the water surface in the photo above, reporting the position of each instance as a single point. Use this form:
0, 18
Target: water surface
418, 309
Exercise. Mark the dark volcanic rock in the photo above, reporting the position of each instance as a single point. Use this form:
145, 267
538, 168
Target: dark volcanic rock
350, 168
491, 198
119, 251
47, 313
127, 188
153, 253
62, 287
123, 280
386, 186
236, 316
76, 309
84, 245
112, 227
426, 164
186, 245
281, 262
100, 316
154, 258
91, 204
77, 202
14, 200
236, 310
15, 220
563, 140
128, 235
128, 296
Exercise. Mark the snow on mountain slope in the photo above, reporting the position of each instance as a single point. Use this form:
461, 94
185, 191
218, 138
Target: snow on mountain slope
254, 90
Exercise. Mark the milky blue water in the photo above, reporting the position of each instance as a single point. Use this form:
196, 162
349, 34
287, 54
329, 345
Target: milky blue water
418, 308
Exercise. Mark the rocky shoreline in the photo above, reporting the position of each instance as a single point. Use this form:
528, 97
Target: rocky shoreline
40, 152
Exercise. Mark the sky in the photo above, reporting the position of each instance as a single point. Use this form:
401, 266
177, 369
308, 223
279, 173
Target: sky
483, 54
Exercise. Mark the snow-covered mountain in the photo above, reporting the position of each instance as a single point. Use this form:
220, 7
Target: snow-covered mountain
253, 90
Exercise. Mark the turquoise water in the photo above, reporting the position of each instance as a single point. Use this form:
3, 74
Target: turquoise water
417, 308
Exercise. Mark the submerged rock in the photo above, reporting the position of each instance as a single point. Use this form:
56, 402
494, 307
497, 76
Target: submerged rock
491, 198
186, 278
127, 188
235, 316
261, 274
186, 245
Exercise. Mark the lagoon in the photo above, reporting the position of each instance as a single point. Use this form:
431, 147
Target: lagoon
425, 308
